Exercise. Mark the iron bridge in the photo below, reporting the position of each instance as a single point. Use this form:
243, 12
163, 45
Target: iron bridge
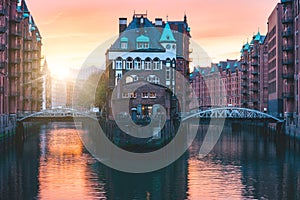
233, 113
61, 115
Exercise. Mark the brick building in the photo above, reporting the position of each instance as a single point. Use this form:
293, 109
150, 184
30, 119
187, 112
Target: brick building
253, 60
21, 81
289, 40
146, 57
218, 85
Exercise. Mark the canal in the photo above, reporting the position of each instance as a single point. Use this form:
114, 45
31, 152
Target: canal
52, 163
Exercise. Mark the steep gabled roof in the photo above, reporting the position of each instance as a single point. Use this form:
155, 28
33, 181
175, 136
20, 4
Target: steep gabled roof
137, 32
167, 35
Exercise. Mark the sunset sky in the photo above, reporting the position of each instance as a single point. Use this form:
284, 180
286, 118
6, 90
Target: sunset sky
71, 30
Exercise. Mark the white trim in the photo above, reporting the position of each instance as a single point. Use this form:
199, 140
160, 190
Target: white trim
142, 55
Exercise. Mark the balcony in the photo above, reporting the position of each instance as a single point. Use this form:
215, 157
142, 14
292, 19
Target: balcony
287, 34
35, 48
28, 97
36, 58
16, 19
244, 92
244, 77
255, 80
28, 49
14, 94
3, 29
16, 33
288, 95
27, 84
244, 101
14, 75
244, 70
27, 72
2, 12
244, 62
287, 19
15, 47
254, 55
287, 48
2, 47
16, 61
288, 75
254, 72
28, 38
287, 61
254, 90
255, 63
286, 1
2, 65
27, 60
244, 85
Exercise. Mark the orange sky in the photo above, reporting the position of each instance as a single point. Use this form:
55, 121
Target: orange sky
73, 29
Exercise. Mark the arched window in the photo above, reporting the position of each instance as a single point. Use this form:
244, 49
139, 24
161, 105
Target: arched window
156, 64
119, 63
137, 64
168, 62
142, 42
129, 63
148, 64
129, 79
173, 63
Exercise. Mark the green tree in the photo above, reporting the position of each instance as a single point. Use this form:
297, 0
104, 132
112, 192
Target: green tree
92, 91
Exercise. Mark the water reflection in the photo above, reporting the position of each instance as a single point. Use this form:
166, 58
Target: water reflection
53, 164
64, 171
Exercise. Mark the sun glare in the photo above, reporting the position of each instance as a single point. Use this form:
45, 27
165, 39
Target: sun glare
60, 73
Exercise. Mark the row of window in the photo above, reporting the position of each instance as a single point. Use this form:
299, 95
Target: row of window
137, 65
129, 63
144, 95
151, 78
139, 45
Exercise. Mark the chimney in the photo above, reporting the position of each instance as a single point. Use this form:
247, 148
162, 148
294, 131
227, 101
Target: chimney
158, 22
122, 24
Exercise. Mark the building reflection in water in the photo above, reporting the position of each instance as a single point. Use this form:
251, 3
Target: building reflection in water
19, 169
53, 164
245, 164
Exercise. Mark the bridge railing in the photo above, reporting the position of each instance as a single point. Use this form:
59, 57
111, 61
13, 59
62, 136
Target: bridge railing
55, 114
230, 113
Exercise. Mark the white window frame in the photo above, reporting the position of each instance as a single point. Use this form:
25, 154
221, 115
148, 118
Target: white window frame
132, 95
142, 45
152, 95
129, 64
156, 80
137, 64
119, 64
147, 65
168, 73
156, 65
124, 45
145, 95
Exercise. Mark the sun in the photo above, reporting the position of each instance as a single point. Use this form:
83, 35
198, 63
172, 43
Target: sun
61, 73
